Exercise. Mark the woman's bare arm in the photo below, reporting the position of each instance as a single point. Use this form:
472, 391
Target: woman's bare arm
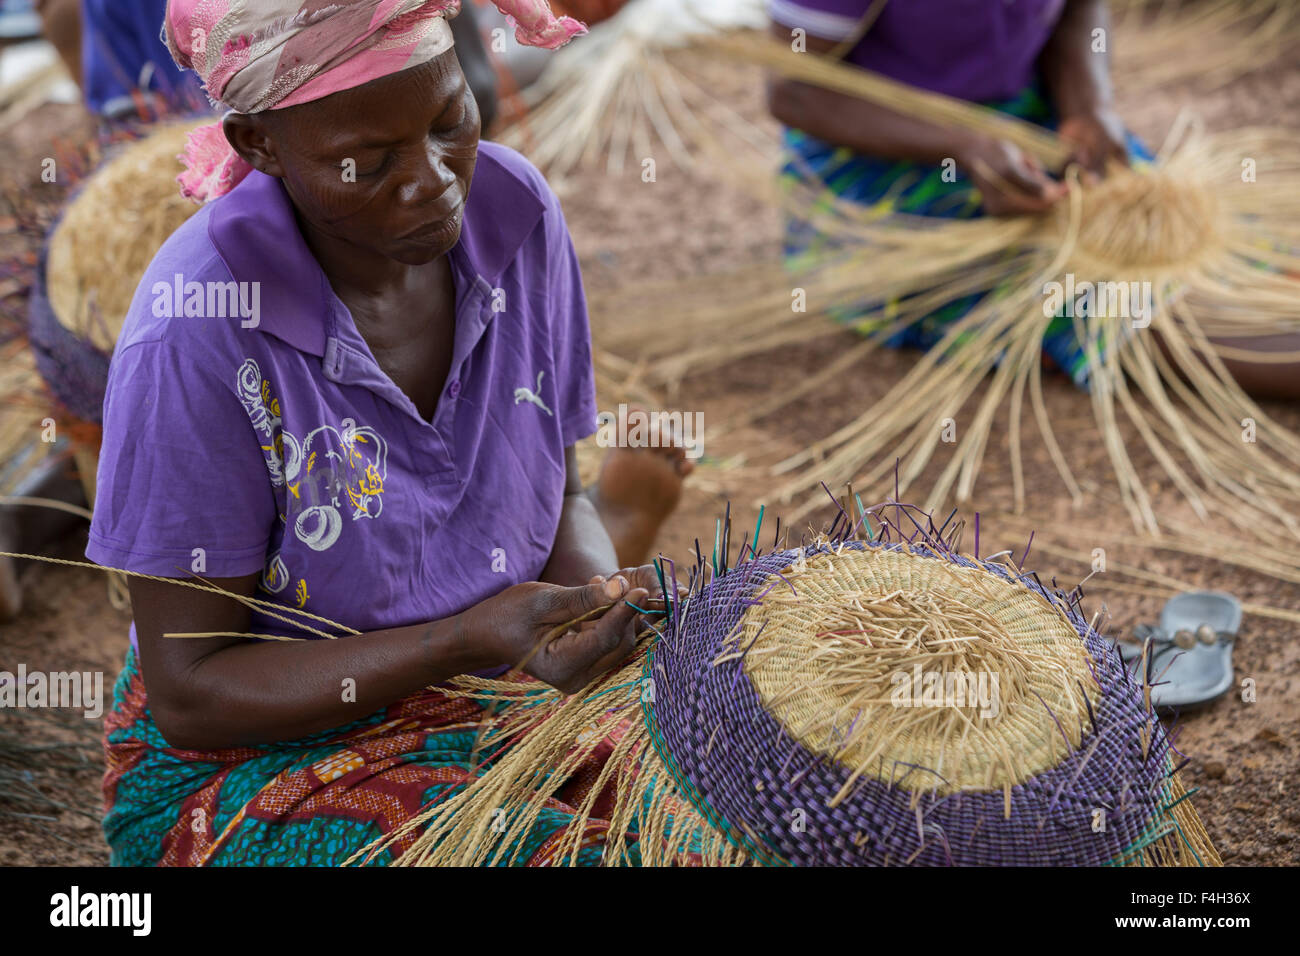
862, 126
583, 548
1076, 71
1010, 181
220, 692
209, 693
1076, 74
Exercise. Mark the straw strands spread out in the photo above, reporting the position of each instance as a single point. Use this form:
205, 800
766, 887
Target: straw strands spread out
770, 687
1220, 255
1202, 242
616, 95
1209, 43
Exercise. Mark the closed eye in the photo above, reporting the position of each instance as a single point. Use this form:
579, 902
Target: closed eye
373, 169
460, 110
443, 129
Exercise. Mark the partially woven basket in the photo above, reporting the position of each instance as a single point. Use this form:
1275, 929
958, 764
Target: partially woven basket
95, 257
785, 714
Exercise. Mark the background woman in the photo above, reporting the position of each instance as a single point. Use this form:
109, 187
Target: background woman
1044, 61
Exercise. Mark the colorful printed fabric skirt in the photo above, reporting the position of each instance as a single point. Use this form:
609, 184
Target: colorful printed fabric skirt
920, 190
312, 802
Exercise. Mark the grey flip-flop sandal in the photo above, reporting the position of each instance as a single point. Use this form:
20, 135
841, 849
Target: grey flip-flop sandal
19, 20
1191, 650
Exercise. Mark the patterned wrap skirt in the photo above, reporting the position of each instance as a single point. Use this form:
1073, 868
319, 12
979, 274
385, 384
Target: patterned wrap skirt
315, 801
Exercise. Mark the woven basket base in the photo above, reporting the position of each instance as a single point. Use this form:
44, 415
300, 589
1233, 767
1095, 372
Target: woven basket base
919, 663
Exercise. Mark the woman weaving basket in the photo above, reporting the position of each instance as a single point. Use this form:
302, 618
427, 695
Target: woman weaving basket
382, 437
1043, 61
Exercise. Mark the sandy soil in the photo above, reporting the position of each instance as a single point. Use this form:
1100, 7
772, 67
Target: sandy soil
1244, 755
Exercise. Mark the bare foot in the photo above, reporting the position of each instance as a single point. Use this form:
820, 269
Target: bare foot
638, 488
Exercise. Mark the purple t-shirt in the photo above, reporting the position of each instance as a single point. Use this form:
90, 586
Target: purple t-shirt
285, 449
971, 49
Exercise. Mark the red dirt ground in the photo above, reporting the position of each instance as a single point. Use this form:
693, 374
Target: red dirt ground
1244, 755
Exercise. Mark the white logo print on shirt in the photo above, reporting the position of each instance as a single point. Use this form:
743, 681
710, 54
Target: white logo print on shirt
330, 472
526, 394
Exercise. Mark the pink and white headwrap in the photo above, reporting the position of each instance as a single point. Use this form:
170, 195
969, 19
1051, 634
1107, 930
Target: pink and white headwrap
255, 55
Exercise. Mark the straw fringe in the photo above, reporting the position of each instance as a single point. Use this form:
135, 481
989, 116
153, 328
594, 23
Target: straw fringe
1208, 43
548, 736
1190, 228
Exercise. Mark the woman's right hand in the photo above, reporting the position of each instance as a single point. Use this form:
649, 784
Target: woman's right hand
516, 622
1011, 182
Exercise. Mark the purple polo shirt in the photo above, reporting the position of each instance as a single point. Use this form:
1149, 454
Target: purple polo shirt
284, 449
971, 49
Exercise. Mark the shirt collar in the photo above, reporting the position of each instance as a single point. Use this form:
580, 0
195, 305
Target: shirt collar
501, 213
255, 232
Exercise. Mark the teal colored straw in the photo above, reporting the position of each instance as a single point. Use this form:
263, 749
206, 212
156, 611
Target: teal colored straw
871, 535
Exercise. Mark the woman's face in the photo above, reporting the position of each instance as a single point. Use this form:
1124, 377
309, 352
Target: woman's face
385, 166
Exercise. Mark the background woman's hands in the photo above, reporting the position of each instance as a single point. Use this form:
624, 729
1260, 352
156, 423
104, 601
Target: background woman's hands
517, 621
1097, 136
1011, 182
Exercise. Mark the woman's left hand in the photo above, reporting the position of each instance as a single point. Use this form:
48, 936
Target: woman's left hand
1097, 136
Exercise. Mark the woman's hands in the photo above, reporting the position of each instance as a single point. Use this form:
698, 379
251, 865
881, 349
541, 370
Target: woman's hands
645, 578
1011, 182
1097, 136
517, 622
